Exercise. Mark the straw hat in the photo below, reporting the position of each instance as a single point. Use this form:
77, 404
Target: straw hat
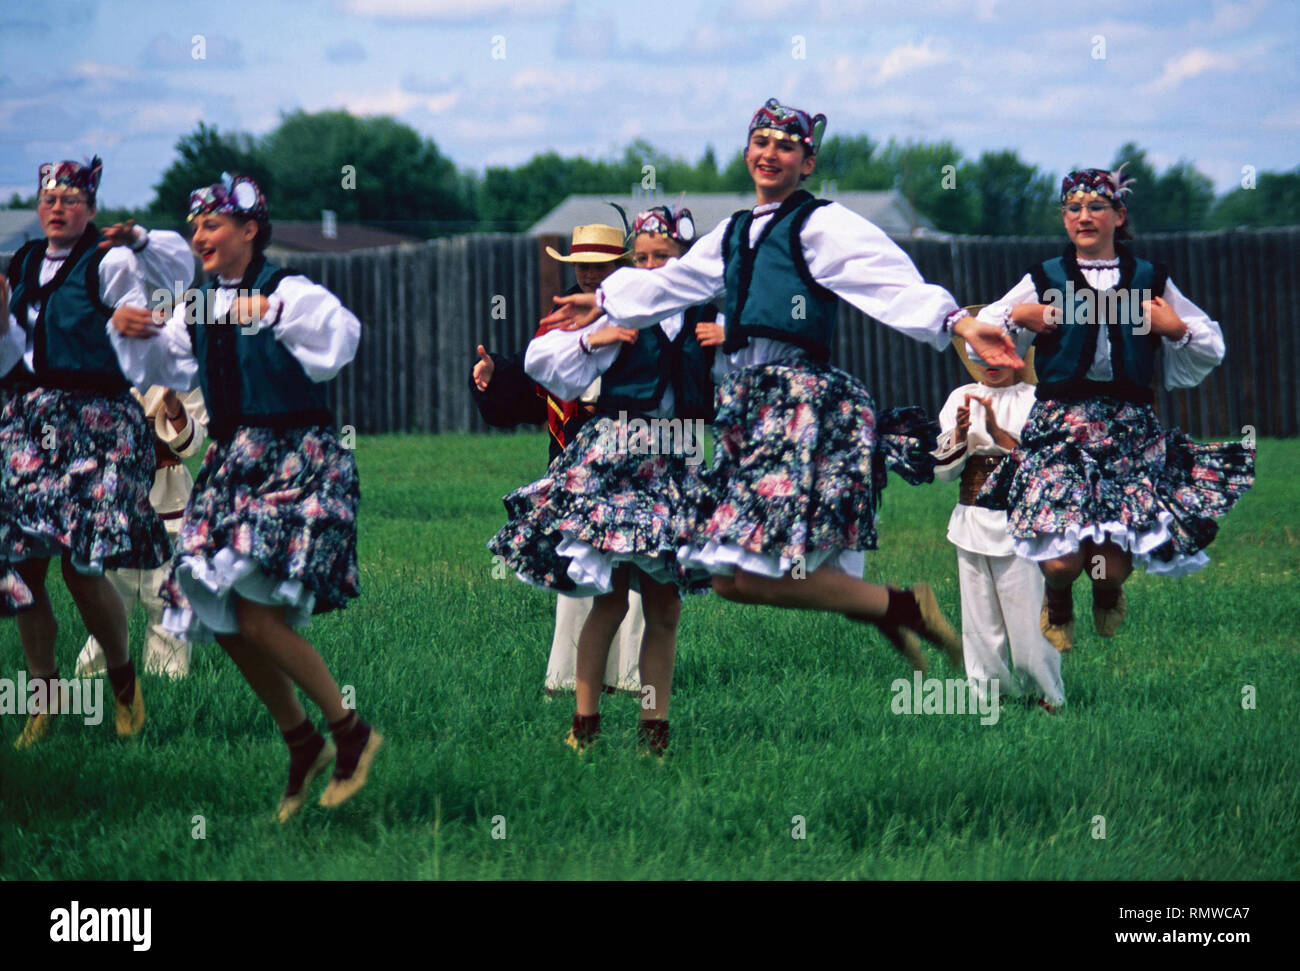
593, 244
1027, 374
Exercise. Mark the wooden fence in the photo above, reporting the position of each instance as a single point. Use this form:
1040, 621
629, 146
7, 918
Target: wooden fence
424, 308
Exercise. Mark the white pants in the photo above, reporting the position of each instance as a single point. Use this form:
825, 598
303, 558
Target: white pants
622, 670
163, 654
1001, 599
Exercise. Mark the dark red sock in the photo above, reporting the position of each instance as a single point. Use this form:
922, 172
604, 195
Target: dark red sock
586, 728
123, 681
350, 735
304, 744
652, 733
903, 610
1105, 598
1060, 605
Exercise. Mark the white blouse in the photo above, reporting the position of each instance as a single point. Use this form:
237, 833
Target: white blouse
126, 278
974, 528
1186, 361
311, 323
845, 253
557, 362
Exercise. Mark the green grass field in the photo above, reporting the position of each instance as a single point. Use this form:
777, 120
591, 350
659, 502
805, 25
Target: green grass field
775, 715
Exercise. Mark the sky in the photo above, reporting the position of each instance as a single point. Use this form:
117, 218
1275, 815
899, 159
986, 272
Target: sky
494, 82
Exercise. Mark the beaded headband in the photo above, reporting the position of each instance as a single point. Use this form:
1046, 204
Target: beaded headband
677, 224
1109, 185
783, 121
233, 195
74, 175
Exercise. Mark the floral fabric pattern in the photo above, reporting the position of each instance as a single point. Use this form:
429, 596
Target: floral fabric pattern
1107, 463
609, 491
286, 499
801, 459
76, 468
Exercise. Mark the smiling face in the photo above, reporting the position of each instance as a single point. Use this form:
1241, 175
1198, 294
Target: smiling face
224, 244
776, 165
65, 213
651, 251
1090, 222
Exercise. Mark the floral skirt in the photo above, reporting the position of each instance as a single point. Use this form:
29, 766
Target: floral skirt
272, 519
76, 468
615, 495
1105, 470
799, 464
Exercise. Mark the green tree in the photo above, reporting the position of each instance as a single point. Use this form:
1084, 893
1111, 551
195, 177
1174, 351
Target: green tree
1013, 197
202, 156
1178, 200
368, 170
1274, 201
851, 163
928, 176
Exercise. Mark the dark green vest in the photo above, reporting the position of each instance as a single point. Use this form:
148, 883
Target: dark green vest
1063, 357
70, 344
251, 379
636, 382
763, 281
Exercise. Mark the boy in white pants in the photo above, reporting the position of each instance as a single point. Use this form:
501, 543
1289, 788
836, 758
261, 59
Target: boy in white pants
180, 430
1000, 593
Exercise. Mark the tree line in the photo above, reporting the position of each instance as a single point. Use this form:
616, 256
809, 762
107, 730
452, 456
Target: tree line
379, 171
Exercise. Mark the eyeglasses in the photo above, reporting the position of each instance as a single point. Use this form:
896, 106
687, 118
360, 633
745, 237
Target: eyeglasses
68, 201
1094, 208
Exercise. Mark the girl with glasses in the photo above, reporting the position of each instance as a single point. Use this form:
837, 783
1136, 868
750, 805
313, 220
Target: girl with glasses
609, 513
76, 454
1097, 483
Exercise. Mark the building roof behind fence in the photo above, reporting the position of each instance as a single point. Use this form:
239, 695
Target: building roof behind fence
888, 209
308, 237
17, 226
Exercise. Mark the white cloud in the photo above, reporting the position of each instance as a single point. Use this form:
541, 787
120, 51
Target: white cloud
1188, 65
457, 10
103, 72
163, 117
391, 101
1229, 18
848, 73
909, 58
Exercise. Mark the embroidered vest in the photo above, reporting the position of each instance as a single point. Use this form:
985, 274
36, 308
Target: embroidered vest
70, 344
251, 379
636, 382
1064, 356
770, 291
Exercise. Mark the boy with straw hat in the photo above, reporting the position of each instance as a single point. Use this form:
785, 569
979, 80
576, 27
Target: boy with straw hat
1002, 645
506, 397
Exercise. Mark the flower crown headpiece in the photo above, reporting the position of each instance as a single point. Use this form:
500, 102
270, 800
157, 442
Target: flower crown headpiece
785, 121
74, 175
1109, 185
234, 194
676, 224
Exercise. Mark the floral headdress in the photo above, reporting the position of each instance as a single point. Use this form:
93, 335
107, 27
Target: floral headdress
74, 175
233, 195
1109, 185
783, 121
676, 224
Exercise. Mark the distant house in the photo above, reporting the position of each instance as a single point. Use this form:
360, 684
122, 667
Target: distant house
888, 210
309, 237
17, 226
